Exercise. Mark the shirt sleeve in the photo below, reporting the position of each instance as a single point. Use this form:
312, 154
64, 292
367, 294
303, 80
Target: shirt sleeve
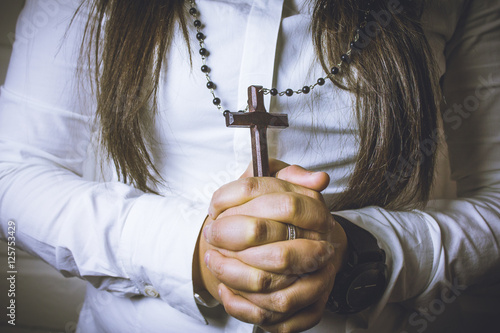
453, 243
109, 233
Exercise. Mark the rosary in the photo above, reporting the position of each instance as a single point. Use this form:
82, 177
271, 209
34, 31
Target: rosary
257, 118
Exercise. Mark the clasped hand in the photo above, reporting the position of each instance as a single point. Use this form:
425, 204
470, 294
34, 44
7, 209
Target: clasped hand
247, 263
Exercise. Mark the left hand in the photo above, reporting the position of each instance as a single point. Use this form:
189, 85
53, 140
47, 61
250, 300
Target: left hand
277, 284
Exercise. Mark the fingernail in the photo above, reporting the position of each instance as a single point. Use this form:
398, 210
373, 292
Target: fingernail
211, 212
206, 232
219, 292
207, 258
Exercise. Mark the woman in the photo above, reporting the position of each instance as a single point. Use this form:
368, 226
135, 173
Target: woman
116, 175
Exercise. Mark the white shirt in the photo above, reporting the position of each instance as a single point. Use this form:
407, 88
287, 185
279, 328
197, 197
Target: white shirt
132, 246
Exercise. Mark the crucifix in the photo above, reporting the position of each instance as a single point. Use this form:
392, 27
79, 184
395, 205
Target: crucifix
258, 119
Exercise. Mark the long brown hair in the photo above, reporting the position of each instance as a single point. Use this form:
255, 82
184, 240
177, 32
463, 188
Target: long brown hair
392, 75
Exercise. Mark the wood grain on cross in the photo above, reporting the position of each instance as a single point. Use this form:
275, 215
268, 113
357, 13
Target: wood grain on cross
258, 120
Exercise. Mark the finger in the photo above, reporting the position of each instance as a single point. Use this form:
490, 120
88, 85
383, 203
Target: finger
238, 232
244, 190
295, 174
244, 310
237, 275
304, 292
300, 321
297, 209
274, 166
289, 257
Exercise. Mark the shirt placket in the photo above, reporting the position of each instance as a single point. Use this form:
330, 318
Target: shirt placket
257, 65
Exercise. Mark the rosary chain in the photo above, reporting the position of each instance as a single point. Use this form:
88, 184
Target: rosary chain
345, 58
201, 41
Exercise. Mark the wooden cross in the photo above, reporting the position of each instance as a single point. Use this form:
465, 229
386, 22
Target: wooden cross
258, 120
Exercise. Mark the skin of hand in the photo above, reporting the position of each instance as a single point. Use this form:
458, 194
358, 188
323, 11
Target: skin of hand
244, 261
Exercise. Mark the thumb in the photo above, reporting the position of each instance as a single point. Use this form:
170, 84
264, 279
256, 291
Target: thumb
274, 166
295, 174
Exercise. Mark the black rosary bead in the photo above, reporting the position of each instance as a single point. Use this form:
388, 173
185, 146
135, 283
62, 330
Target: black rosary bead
203, 51
200, 36
216, 101
289, 92
193, 11
321, 81
335, 70
210, 85
306, 89
205, 69
273, 91
197, 23
345, 58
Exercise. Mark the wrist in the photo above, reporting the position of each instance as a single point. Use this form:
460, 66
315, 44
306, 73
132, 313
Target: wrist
361, 281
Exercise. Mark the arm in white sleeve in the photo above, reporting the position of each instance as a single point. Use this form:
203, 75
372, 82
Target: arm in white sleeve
454, 241
116, 237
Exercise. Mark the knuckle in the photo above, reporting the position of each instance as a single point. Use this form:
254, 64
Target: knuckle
322, 218
263, 282
310, 264
261, 316
289, 206
249, 186
317, 196
260, 230
323, 249
281, 258
281, 302
328, 248
312, 235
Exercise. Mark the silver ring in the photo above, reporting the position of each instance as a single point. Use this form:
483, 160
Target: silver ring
291, 232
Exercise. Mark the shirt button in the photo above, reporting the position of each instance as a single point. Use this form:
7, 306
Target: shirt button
150, 291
